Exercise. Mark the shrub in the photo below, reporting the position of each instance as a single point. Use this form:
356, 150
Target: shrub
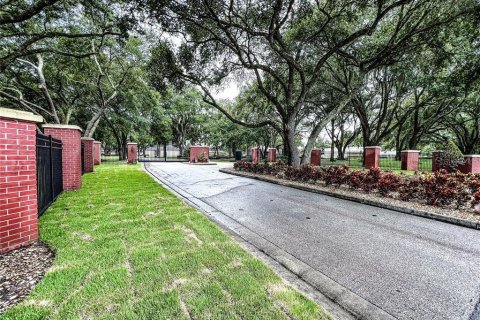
476, 198
440, 188
410, 190
388, 182
355, 179
335, 175
371, 179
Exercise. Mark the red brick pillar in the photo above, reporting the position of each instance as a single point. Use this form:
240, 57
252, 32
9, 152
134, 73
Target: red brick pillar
272, 155
88, 154
71, 153
472, 164
132, 152
97, 152
18, 179
256, 155
436, 162
196, 151
410, 159
316, 157
372, 157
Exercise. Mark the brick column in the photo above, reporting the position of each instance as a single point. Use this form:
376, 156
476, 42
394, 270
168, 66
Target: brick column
196, 151
472, 164
88, 154
272, 155
372, 157
316, 157
132, 152
256, 155
18, 179
436, 165
71, 153
410, 159
97, 152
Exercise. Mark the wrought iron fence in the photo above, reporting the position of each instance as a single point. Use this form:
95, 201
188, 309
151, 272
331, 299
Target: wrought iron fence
49, 171
387, 162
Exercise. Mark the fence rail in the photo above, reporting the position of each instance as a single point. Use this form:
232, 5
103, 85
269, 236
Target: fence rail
49, 171
355, 160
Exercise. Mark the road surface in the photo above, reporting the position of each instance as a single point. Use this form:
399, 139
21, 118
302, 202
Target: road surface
408, 267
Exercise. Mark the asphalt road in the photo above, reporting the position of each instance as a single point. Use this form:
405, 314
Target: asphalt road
408, 266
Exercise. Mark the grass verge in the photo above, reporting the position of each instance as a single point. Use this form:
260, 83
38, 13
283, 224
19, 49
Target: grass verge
126, 248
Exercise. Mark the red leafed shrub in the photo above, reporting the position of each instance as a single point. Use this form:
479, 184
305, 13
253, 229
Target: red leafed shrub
441, 188
335, 175
305, 173
371, 179
411, 189
476, 198
388, 182
355, 179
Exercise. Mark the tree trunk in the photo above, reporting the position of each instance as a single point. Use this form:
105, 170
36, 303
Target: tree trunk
332, 145
92, 124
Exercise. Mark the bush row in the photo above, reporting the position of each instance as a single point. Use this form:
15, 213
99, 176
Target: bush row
438, 189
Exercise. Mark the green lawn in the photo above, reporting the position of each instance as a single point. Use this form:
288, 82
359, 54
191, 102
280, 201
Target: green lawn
126, 248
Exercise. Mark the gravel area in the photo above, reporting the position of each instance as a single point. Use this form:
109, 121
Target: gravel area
21, 270
467, 213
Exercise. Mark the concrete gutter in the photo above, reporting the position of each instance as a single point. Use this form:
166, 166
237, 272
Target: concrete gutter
415, 212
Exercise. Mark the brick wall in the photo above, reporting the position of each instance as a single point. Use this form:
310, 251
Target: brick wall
97, 152
71, 153
316, 157
372, 157
88, 154
132, 152
196, 151
18, 180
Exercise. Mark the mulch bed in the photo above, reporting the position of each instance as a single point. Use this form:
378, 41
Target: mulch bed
20, 271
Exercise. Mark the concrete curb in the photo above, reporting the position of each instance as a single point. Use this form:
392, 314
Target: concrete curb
415, 212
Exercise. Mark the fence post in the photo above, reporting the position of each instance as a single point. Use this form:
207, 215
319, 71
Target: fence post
132, 152
372, 157
272, 154
71, 153
256, 155
88, 154
97, 152
471, 165
195, 151
316, 157
410, 159
18, 179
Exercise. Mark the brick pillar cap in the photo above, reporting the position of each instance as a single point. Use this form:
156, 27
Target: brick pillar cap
316, 149
472, 156
132, 143
272, 148
87, 139
198, 146
410, 150
98, 142
373, 147
62, 126
20, 115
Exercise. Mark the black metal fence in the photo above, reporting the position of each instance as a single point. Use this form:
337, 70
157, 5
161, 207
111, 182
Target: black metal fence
49, 171
82, 153
387, 162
